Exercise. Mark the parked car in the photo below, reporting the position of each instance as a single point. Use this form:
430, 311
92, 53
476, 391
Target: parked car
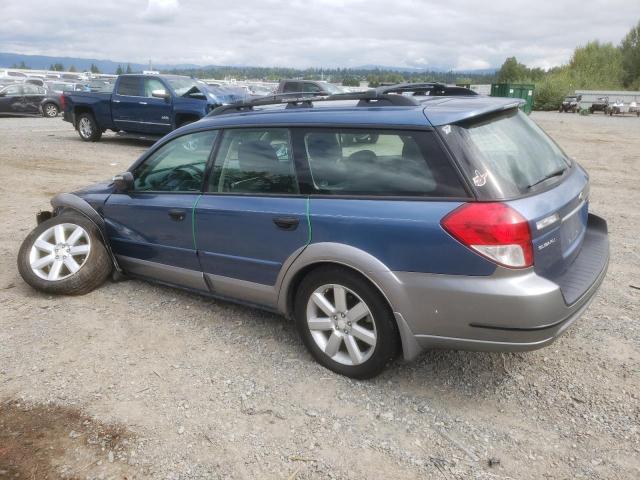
61, 87
633, 108
141, 104
463, 226
600, 105
616, 107
22, 99
99, 85
312, 87
571, 103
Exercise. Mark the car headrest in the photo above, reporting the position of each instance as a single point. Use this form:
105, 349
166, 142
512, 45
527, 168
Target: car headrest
257, 156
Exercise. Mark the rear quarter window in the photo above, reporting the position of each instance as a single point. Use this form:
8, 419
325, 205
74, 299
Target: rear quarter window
378, 163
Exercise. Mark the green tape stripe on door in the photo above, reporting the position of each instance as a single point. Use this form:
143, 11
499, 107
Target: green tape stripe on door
193, 222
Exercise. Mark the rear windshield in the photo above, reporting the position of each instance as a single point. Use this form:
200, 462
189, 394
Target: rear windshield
506, 155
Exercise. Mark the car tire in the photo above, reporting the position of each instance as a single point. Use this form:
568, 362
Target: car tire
50, 110
64, 255
361, 338
88, 128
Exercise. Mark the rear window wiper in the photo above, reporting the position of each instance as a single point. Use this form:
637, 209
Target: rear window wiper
555, 173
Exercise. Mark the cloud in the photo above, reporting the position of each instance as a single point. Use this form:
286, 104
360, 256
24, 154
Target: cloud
463, 34
161, 10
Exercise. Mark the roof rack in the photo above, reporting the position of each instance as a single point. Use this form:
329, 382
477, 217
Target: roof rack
428, 88
306, 100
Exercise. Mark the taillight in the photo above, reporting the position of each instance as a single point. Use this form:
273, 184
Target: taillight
63, 102
494, 230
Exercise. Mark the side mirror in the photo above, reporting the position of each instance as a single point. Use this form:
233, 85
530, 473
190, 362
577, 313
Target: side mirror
160, 94
123, 181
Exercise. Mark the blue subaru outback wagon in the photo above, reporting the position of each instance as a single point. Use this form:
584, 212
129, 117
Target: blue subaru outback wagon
379, 222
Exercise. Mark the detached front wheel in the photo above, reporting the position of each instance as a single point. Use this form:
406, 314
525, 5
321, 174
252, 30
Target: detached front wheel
88, 128
64, 255
345, 323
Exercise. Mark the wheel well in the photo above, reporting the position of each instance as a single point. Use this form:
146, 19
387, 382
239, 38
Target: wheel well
184, 118
80, 110
300, 275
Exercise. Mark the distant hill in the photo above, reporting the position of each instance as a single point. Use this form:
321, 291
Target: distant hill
42, 62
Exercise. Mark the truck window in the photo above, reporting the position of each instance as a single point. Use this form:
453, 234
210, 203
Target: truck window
151, 84
129, 86
291, 87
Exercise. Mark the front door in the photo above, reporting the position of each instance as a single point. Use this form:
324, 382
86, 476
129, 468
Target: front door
251, 218
155, 114
12, 100
151, 227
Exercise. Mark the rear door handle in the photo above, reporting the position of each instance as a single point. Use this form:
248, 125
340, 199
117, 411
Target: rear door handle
142, 103
116, 101
177, 214
286, 223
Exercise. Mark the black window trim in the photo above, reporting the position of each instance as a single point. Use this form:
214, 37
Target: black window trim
208, 164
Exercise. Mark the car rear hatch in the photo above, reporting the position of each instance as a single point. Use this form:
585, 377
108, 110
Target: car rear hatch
509, 159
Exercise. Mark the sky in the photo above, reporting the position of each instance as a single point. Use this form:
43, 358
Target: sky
457, 34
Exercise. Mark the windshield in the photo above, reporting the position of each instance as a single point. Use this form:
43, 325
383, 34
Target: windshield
182, 85
506, 155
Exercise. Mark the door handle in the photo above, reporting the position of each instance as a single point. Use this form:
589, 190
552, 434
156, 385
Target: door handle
116, 101
177, 214
142, 103
286, 223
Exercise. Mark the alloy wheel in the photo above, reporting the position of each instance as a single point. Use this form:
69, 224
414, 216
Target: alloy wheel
60, 251
85, 127
341, 324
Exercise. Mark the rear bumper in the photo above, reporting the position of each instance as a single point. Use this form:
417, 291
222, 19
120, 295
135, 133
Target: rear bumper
511, 310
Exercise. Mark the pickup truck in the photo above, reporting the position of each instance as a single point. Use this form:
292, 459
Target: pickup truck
309, 87
149, 105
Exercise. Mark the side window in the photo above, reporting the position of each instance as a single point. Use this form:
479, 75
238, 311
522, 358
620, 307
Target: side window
177, 166
254, 161
311, 88
32, 89
291, 87
378, 163
129, 86
13, 91
151, 84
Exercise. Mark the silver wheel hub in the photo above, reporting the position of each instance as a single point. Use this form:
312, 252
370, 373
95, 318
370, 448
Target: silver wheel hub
60, 251
85, 127
341, 324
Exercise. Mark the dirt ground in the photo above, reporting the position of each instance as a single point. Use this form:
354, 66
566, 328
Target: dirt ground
137, 381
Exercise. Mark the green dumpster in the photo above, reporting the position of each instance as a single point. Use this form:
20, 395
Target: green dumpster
515, 90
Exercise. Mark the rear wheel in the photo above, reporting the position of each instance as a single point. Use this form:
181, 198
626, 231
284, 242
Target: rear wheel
64, 255
345, 323
88, 128
50, 110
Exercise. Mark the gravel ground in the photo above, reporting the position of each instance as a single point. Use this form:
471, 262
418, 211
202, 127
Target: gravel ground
200, 389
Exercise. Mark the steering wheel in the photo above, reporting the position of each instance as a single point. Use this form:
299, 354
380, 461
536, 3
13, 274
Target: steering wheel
183, 178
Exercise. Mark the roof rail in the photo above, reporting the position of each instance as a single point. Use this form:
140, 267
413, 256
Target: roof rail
306, 100
428, 88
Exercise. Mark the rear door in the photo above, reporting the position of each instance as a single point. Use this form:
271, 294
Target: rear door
151, 227
252, 217
33, 97
126, 102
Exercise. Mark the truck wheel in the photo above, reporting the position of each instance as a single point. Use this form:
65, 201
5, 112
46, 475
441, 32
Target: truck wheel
50, 110
64, 255
88, 128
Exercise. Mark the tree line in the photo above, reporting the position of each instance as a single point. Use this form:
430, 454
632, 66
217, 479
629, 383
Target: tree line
594, 66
